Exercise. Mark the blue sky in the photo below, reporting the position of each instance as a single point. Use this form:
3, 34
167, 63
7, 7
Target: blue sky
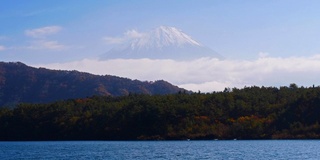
235, 29
51, 32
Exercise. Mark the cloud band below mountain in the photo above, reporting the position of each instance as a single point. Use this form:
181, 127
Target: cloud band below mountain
207, 74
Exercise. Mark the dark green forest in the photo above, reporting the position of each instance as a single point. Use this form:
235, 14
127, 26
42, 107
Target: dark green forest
250, 113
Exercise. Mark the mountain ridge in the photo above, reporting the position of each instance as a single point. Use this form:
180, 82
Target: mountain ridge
22, 83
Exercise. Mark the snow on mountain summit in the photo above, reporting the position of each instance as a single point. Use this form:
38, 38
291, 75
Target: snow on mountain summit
162, 43
171, 35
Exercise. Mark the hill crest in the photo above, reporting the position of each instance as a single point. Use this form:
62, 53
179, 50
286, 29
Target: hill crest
22, 83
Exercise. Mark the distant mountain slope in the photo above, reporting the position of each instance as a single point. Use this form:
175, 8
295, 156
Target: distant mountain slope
21, 83
162, 43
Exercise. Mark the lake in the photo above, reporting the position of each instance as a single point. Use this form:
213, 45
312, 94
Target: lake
239, 149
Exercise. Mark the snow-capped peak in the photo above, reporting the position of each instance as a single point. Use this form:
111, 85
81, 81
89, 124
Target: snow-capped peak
162, 42
173, 35
163, 36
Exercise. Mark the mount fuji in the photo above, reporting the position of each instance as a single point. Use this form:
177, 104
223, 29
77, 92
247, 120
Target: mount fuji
162, 43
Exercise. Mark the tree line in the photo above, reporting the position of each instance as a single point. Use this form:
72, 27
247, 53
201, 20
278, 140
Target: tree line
250, 113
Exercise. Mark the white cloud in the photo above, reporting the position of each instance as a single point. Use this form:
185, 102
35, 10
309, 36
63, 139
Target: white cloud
128, 35
208, 74
42, 44
263, 54
43, 32
40, 40
2, 48
134, 34
206, 86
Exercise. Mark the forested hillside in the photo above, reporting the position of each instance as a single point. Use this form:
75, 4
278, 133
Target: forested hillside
250, 113
21, 83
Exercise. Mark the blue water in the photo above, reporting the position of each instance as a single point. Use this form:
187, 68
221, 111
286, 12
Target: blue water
269, 149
